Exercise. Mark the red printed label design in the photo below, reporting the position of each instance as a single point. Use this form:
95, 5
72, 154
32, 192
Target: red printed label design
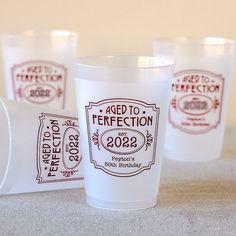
58, 155
122, 135
196, 101
40, 82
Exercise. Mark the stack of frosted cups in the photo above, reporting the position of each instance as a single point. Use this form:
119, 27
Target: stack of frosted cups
39, 145
124, 105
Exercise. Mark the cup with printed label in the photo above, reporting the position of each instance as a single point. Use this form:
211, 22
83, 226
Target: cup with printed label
199, 95
39, 148
122, 104
38, 67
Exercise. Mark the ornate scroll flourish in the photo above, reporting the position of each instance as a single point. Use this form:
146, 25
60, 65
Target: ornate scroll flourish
95, 139
149, 140
70, 123
68, 173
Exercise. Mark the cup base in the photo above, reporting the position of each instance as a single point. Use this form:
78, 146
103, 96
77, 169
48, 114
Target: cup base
193, 157
107, 205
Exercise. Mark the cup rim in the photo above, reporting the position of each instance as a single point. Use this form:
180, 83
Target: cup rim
209, 41
85, 62
30, 33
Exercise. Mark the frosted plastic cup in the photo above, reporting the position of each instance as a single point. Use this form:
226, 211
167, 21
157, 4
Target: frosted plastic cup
38, 67
122, 106
199, 95
39, 149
